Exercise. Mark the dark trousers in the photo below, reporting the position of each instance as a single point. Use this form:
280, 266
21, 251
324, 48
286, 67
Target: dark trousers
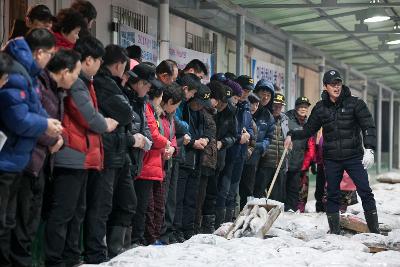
29, 205
99, 205
264, 178
292, 189
170, 184
201, 195
211, 194
320, 184
334, 174
66, 215
9, 186
155, 212
143, 190
246, 187
124, 197
228, 184
186, 192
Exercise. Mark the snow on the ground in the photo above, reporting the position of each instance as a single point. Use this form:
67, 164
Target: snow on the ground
295, 240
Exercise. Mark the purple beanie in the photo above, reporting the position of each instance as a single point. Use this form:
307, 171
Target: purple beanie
236, 88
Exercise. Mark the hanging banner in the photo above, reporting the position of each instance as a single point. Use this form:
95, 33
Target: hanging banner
129, 36
271, 72
276, 75
182, 56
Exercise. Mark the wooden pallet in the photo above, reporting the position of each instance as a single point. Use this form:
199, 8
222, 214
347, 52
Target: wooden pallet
273, 213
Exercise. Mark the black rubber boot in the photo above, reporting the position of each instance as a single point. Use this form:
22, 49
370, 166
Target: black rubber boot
219, 216
334, 223
372, 221
115, 240
128, 238
229, 215
208, 224
180, 238
319, 207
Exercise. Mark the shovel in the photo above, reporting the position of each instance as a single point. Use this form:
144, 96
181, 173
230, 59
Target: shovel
276, 174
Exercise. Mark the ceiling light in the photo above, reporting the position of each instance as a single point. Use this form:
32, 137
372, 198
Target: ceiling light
393, 42
372, 14
377, 19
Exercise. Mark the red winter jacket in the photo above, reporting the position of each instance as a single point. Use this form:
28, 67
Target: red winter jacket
309, 154
82, 129
152, 161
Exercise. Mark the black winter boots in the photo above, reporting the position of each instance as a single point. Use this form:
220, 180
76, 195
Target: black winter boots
115, 240
372, 221
229, 214
208, 224
219, 216
334, 223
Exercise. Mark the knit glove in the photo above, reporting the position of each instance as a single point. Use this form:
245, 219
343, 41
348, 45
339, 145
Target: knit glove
368, 159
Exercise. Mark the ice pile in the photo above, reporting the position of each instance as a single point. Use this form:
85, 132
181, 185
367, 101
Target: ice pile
294, 240
212, 250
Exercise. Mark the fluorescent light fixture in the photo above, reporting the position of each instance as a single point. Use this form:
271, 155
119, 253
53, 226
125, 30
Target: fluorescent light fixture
393, 42
372, 14
377, 19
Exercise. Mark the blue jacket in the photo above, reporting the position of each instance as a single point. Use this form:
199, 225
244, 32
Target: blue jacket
22, 117
244, 120
182, 127
265, 128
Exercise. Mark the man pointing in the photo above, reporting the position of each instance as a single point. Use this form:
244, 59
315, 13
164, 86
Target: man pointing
343, 118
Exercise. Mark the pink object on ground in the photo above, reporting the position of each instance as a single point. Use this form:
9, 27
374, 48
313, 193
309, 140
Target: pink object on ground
347, 184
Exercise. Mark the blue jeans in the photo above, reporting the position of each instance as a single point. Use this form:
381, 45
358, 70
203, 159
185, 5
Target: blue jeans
334, 173
228, 184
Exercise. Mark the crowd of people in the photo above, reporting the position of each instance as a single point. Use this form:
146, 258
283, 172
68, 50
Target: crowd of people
93, 140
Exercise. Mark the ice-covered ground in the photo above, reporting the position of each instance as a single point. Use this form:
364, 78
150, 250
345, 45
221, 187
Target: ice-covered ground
298, 240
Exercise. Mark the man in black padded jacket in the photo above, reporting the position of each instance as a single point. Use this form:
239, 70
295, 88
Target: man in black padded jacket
343, 118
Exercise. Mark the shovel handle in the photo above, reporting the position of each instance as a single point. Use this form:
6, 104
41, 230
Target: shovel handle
276, 172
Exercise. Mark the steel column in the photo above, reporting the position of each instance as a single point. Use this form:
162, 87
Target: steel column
164, 29
240, 37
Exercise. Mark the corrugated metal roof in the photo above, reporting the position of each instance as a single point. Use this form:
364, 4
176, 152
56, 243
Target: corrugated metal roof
295, 19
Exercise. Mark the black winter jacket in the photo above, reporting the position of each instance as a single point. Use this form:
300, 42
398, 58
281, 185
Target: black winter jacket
343, 122
197, 130
226, 132
296, 155
113, 103
139, 125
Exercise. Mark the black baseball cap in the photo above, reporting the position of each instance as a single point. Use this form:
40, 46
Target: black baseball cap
145, 72
279, 99
246, 82
203, 95
218, 77
302, 100
41, 13
330, 76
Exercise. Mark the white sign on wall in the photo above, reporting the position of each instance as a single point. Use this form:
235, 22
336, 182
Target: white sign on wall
276, 75
182, 56
129, 36
271, 72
